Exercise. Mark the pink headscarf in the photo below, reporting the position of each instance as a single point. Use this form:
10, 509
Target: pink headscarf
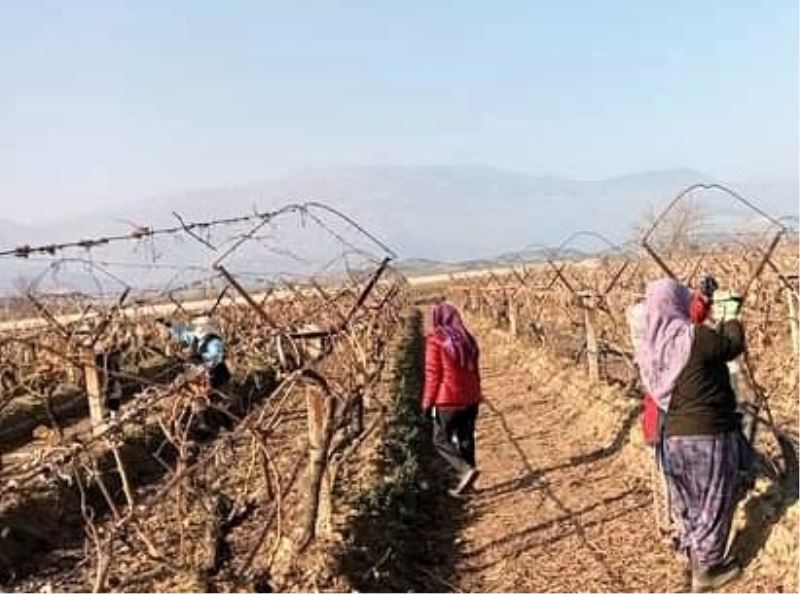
667, 341
459, 344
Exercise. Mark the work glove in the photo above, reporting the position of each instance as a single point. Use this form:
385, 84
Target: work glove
727, 305
708, 285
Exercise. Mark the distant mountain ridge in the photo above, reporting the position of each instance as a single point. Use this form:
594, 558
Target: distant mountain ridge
441, 213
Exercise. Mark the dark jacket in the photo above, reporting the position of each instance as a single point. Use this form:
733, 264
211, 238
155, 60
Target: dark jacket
446, 383
703, 401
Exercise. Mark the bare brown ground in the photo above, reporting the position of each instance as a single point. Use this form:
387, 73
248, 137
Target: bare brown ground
564, 500
564, 503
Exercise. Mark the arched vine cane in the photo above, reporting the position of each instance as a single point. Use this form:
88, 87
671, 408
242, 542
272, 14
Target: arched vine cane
736, 196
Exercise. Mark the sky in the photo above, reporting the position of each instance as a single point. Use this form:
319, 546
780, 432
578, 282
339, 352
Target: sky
103, 103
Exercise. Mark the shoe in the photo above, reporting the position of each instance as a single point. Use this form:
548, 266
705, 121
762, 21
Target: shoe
705, 579
467, 479
455, 494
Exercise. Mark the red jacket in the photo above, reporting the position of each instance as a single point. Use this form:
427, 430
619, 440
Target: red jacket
699, 308
447, 384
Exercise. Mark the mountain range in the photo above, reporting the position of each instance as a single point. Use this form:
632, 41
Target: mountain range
434, 213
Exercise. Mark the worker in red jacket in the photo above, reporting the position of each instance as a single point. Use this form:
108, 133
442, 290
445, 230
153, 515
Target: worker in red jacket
452, 392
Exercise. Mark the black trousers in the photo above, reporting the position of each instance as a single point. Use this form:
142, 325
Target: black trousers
454, 436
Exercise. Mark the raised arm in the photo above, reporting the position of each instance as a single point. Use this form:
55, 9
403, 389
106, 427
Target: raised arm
723, 344
732, 339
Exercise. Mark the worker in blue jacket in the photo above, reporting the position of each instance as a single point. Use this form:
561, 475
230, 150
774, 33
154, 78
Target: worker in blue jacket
206, 346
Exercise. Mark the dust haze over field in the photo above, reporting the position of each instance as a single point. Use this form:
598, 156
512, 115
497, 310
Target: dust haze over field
439, 212
447, 213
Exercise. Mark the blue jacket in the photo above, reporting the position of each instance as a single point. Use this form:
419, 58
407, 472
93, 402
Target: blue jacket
210, 349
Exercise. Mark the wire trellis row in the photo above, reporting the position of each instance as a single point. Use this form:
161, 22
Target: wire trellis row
578, 306
307, 301
103, 411
192, 229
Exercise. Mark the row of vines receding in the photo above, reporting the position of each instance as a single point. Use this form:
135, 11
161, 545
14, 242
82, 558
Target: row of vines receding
575, 299
185, 485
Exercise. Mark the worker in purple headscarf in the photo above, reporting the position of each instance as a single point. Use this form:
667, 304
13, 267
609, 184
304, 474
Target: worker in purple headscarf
452, 392
684, 367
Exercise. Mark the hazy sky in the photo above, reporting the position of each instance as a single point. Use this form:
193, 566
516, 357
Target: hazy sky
116, 101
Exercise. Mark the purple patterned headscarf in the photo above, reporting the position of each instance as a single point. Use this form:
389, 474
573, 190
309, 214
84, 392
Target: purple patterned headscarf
459, 344
667, 341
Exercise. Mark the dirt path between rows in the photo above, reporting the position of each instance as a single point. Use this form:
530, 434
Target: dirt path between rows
564, 500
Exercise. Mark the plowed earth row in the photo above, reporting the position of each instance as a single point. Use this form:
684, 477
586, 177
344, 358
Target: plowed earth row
564, 501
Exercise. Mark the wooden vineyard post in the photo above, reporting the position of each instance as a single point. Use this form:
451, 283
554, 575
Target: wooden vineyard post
94, 392
793, 323
658, 499
662, 505
320, 432
513, 320
592, 350
743, 390
27, 355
